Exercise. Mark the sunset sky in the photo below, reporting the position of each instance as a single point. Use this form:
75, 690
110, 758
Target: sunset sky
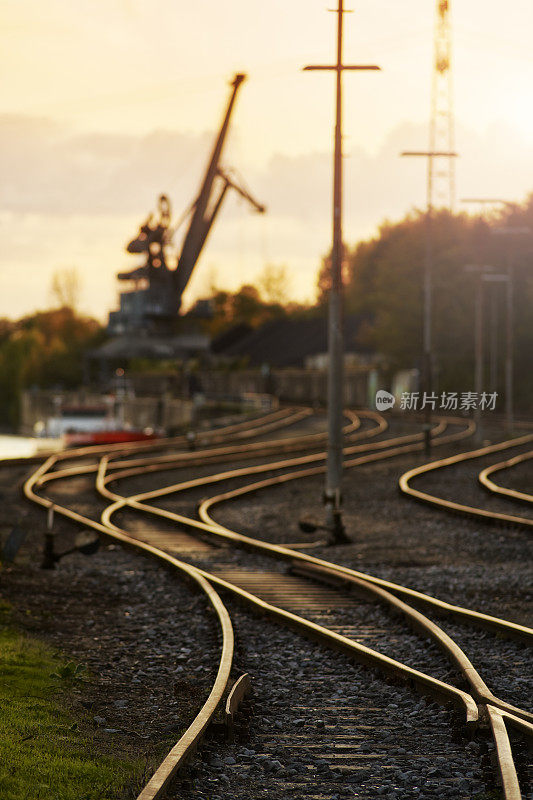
106, 104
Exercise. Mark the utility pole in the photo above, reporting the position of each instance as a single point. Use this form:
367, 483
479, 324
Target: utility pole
427, 347
508, 230
442, 127
440, 182
481, 272
493, 363
509, 325
493, 330
332, 493
493, 366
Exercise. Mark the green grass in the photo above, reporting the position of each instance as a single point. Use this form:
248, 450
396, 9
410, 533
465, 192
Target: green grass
44, 752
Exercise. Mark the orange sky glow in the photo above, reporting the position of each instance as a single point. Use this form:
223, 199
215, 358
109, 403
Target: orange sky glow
105, 105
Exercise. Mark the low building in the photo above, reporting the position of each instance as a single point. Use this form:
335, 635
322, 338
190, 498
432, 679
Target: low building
293, 342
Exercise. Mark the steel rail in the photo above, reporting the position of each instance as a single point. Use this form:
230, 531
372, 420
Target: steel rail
362, 653
506, 767
175, 758
443, 608
449, 505
496, 488
481, 692
183, 748
418, 621
120, 501
283, 552
387, 445
296, 442
243, 471
188, 741
199, 457
161, 463
381, 426
365, 655
426, 684
242, 430
390, 452
419, 678
422, 624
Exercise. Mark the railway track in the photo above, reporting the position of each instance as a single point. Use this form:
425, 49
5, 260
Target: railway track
491, 486
488, 515
298, 599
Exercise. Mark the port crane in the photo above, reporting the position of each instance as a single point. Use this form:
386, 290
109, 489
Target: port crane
154, 302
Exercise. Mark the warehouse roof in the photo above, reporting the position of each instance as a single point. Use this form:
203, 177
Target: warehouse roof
288, 342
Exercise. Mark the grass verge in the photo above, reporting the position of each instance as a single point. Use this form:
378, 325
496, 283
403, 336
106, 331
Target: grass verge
45, 753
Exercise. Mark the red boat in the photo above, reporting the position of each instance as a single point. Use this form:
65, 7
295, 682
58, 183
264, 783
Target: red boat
84, 425
79, 439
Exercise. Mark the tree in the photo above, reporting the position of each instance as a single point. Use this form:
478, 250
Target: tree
274, 284
44, 349
246, 304
323, 281
385, 279
65, 287
243, 307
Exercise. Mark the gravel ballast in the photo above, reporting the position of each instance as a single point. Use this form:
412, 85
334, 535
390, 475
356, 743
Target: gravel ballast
151, 644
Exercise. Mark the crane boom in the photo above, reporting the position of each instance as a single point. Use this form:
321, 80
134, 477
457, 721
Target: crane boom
200, 225
155, 300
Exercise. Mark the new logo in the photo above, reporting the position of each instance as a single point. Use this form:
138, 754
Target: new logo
384, 400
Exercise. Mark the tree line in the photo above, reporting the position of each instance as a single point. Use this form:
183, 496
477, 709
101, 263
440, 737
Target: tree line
383, 279
384, 285
45, 350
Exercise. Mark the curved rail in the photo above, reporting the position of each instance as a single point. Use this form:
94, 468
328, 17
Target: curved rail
497, 710
421, 624
513, 494
438, 606
494, 706
425, 683
361, 653
160, 780
240, 430
271, 466
449, 505
209, 526
189, 740
241, 472
250, 450
197, 457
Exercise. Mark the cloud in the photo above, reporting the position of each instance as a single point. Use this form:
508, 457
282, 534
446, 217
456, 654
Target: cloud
48, 169
70, 198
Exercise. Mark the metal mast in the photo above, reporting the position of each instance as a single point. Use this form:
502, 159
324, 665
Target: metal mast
332, 493
440, 185
441, 171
